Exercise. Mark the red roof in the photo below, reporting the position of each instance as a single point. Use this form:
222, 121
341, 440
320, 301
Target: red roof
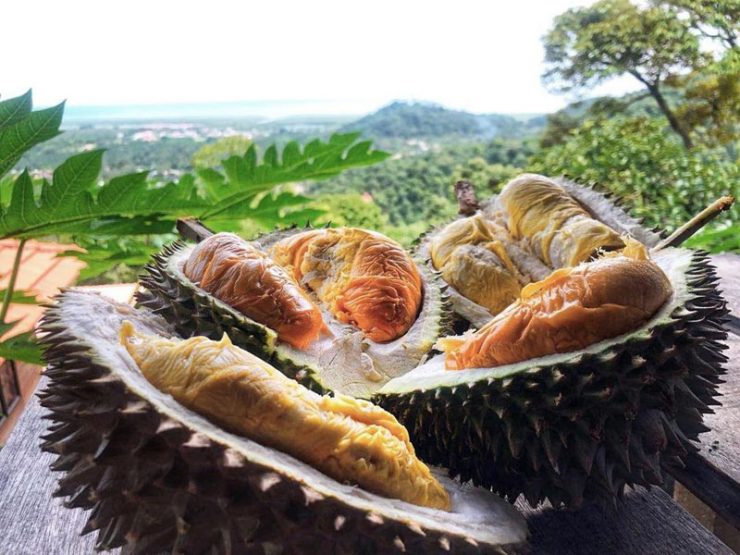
41, 273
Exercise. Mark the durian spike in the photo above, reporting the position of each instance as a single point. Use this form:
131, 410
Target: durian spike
696, 223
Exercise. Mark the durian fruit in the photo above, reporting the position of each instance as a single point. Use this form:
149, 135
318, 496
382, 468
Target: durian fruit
471, 255
244, 277
556, 227
541, 224
571, 309
350, 440
382, 311
365, 278
595, 379
158, 477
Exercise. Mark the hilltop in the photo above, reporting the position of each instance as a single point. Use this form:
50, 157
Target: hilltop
410, 120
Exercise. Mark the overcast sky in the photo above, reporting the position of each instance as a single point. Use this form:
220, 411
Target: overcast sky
482, 56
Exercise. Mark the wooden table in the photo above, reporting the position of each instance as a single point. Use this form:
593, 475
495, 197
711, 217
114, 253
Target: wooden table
647, 522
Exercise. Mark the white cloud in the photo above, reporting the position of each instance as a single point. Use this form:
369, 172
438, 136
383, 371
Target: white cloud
484, 56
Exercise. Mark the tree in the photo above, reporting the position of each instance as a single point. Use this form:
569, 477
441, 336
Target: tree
714, 19
711, 106
614, 37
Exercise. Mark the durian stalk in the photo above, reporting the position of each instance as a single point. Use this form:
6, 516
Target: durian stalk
348, 439
696, 223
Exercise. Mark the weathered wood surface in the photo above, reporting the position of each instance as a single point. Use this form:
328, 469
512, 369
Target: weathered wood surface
33, 523
714, 475
728, 269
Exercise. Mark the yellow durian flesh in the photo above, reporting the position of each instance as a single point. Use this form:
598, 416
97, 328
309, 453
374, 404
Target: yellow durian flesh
557, 228
348, 439
471, 255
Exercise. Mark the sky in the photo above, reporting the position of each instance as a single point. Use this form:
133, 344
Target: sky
317, 56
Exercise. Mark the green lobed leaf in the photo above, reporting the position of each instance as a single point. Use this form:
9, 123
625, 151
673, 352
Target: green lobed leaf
74, 203
246, 176
19, 297
15, 109
22, 348
25, 132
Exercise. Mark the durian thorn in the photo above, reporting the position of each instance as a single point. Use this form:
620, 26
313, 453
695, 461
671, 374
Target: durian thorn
696, 223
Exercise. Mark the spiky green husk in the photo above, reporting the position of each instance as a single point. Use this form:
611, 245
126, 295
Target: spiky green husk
585, 428
157, 478
192, 311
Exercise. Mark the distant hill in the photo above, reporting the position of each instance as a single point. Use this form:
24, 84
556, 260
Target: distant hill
407, 120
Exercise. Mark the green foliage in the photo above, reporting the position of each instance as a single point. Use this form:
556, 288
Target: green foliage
714, 19
615, 37
711, 106
488, 178
417, 120
420, 188
21, 128
104, 253
245, 177
18, 297
351, 209
211, 154
717, 240
19, 347
635, 159
73, 203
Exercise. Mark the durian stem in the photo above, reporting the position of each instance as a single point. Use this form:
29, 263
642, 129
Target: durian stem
193, 229
466, 198
696, 223
11, 283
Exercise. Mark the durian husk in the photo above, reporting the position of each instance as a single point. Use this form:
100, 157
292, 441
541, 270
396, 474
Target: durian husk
579, 426
343, 361
159, 478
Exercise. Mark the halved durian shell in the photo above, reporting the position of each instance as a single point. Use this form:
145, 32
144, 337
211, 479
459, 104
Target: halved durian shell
347, 362
583, 425
159, 478
601, 206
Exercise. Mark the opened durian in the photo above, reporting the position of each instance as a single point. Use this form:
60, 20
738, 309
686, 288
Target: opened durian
338, 309
601, 355
535, 226
196, 446
594, 378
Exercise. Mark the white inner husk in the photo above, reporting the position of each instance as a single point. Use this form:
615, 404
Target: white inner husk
347, 361
596, 203
476, 513
673, 261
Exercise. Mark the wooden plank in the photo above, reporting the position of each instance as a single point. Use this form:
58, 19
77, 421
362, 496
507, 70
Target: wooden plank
28, 379
648, 522
728, 270
713, 475
31, 521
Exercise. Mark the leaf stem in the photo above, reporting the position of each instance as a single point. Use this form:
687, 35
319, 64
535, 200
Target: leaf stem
11, 283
